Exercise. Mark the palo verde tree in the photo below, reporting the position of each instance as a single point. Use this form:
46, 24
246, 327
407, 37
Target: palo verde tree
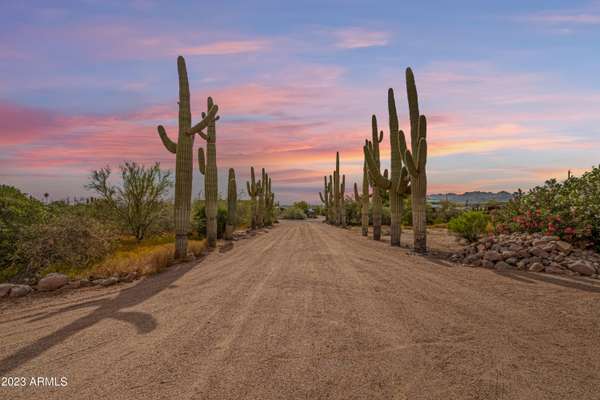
139, 202
183, 150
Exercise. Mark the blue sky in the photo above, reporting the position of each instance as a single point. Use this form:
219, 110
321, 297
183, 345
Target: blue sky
512, 90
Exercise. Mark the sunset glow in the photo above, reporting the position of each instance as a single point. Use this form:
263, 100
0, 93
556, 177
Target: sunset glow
509, 106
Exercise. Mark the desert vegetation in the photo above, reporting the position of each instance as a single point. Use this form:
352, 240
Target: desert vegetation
126, 228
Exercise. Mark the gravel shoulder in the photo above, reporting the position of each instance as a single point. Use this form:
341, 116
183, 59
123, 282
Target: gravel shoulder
311, 311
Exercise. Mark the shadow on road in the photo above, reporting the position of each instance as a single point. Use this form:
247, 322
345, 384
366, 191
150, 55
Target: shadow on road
107, 308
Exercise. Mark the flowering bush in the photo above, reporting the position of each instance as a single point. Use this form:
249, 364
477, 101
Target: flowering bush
568, 209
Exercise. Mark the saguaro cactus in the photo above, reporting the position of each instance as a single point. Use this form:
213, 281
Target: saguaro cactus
398, 182
262, 186
253, 189
332, 211
208, 168
336, 190
325, 197
183, 150
415, 162
364, 201
269, 202
376, 138
231, 205
343, 202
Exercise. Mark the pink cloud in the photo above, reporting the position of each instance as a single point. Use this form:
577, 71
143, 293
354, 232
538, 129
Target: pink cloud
225, 48
354, 38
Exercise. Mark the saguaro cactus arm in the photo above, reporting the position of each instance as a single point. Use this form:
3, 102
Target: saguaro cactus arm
167, 142
201, 161
379, 180
415, 166
207, 118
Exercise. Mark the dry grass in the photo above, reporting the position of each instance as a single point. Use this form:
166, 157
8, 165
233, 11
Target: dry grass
144, 259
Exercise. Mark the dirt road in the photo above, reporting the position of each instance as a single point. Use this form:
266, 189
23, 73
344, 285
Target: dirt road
309, 311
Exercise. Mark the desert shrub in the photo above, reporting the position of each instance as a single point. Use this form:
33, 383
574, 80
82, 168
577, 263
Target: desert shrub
17, 212
407, 214
302, 205
469, 225
142, 258
293, 213
568, 209
353, 210
138, 203
200, 219
65, 241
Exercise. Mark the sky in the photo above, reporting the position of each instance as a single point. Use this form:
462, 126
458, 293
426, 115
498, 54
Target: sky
511, 89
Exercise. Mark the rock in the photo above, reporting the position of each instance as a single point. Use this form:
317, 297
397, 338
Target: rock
52, 281
550, 238
85, 283
539, 252
536, 267
472, 258
108, 281
501, 266
76, 284
130, 277
554, 270
492, 255
512, 260
583, 267
5, 289
522, 265
20, 290
564, 246
523, 253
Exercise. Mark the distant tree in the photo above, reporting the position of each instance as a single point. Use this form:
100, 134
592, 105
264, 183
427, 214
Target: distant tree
302, 205
139, 202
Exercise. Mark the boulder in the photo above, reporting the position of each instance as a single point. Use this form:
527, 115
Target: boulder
564, 246
501, 266
538, 251
493, 255
536, 267
551, 269
583, 267
487, 264
5, 289
20, 290
108, 281
52, 281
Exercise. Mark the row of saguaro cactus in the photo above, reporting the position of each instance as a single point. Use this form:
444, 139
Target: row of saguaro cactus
407, 175
262, 200
333, 196
183, 150
207, 164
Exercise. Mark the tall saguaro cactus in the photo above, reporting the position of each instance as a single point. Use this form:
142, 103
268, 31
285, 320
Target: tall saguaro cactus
376, 138
262, 186
231, 205
269, 202
364, 201
183, 150
415, 162
336, 190
332, 210
253, 189
208, 168
398, 182
343, 202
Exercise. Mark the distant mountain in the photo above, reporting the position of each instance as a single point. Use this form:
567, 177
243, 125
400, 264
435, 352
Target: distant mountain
476, 197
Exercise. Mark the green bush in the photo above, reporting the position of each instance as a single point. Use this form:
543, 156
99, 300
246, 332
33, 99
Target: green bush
568, 209
353, 210
200, 219
293, 213
66, 241
469, 225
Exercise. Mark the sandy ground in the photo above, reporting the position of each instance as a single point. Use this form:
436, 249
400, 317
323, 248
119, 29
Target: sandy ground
309, 311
